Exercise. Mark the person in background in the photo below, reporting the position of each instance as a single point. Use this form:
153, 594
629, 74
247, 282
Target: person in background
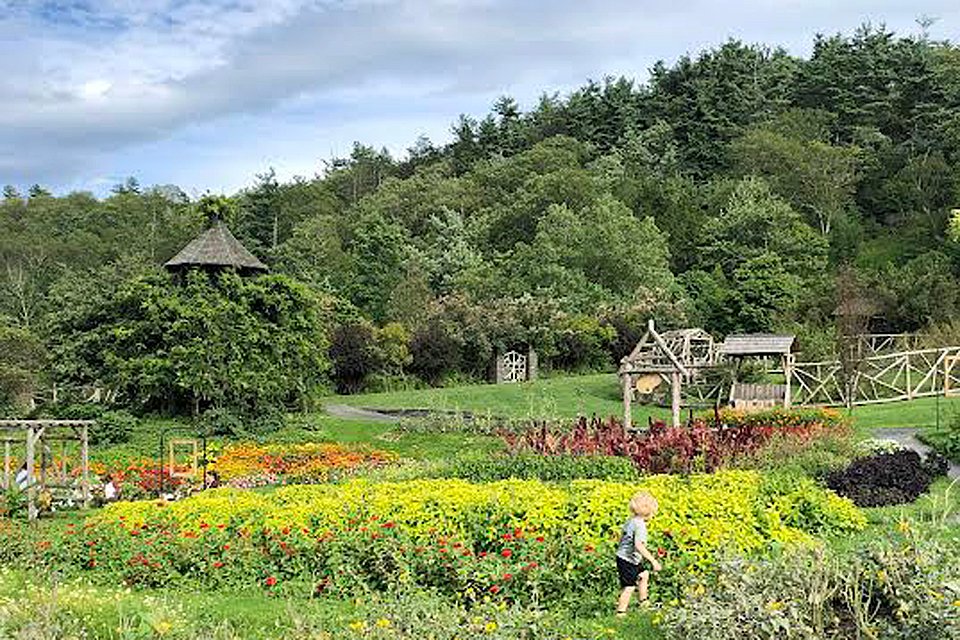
213, 479
22, 479
110, 489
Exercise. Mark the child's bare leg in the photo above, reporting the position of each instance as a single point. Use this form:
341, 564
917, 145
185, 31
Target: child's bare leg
643, 584
624, 600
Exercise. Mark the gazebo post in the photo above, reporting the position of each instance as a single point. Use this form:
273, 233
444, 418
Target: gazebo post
6, 465
675, 400
788, 379
627, 398
85, 462
31, 486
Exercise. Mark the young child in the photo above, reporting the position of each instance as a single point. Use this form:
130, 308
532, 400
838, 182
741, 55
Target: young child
634, 560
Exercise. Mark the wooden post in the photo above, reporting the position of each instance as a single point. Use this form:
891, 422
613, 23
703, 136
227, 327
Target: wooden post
6, 465
675, 388
788, 376
31, 487
627, 393
85, 462
906, 364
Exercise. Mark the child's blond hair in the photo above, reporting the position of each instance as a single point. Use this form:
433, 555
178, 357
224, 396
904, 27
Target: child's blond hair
643, 504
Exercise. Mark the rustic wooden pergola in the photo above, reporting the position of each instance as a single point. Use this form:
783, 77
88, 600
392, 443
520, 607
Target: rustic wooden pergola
654, 359
30, 434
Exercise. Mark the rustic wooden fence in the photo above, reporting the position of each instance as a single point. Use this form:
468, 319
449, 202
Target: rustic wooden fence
892, 377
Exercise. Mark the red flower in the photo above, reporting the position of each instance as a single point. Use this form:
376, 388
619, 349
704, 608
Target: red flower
506, 553
226, 547
532, 565
507, 576
221, 526
134, 532
286, 531
661, 552
508, 536
204, 525
539, 538
482, 554
217, 564
271, 581
495, 589
389, 525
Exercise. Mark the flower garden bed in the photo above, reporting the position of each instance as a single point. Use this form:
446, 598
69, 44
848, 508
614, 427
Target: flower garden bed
524, 541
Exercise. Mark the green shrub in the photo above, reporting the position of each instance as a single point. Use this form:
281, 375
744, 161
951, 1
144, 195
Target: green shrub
113, 426
946, 439
898, 587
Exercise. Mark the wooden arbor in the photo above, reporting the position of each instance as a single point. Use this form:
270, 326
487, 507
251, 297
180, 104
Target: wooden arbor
32, 434
675, 356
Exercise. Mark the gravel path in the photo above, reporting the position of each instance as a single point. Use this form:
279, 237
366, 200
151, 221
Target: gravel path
907, 437
353, 413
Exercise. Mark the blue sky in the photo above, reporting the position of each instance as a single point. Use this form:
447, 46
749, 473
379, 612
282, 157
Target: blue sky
205, 94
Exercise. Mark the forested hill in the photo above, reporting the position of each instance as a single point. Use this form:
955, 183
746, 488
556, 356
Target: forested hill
737, 190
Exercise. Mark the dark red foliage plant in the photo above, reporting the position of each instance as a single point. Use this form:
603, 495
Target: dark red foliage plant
699, 445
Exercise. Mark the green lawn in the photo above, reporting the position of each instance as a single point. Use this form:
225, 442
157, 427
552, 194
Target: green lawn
921, 413
569, 396
556, 397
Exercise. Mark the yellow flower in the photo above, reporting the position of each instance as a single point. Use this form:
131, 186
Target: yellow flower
774, 605
383, 623
358, 625
903, 526
490, 627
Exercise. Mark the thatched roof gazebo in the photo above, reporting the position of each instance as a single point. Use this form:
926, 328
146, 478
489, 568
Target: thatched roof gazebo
216, 248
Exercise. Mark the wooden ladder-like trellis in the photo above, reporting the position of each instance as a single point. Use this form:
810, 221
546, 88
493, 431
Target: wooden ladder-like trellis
876, 379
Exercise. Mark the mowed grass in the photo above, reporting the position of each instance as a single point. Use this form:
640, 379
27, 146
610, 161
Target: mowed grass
600, 394
554, 397
920, 413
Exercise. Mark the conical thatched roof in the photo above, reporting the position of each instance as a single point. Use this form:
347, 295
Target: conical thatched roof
215, 247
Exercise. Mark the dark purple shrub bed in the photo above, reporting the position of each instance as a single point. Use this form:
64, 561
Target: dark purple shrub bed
887, 478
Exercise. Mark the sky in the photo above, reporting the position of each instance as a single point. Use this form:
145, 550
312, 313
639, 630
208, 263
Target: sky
206, 94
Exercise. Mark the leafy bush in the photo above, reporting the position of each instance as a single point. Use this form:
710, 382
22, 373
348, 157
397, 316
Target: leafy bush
435, 350
894, 588
354, 354
887, 478
252, 344
114, 426
946, 440
522, 540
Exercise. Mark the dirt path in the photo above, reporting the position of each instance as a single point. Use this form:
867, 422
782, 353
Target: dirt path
907, 437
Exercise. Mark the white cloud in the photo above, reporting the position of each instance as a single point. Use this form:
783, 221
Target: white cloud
83, 83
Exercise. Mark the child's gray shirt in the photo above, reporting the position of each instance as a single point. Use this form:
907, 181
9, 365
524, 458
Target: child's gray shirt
635, 529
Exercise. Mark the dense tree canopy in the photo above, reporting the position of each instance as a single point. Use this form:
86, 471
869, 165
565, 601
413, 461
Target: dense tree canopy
727, 191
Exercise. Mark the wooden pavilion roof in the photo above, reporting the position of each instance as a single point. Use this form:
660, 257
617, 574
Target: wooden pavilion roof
757, 344
215, 247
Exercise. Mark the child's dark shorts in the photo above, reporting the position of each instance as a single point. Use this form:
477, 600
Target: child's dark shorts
629, 573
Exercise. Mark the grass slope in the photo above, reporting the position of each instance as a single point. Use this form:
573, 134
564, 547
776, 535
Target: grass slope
569, 396
555, 397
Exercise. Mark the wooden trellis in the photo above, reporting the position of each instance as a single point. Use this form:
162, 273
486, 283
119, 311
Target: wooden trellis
885, 378
36, 436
